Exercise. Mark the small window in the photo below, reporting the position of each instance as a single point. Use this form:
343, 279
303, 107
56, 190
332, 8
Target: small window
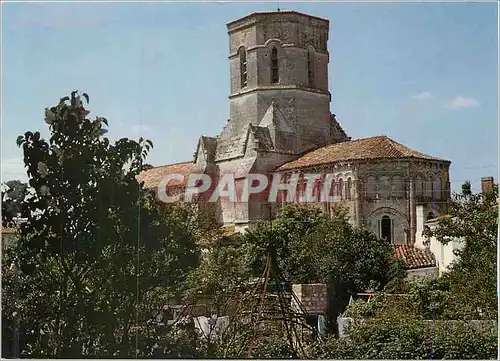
318, 188
310, 68
386, 229
341, 189
274, 66
333, 188
349, 189
243, 67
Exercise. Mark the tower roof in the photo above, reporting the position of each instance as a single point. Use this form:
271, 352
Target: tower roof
262, 14
379, 147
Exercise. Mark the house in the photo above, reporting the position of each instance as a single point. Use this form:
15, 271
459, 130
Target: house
445, 254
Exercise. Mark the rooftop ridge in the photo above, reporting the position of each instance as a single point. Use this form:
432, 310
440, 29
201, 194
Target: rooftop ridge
170, 164
376, 147
276, 12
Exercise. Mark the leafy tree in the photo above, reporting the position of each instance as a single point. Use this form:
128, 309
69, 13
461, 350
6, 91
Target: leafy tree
471, 282
97, 254
402, 338
451, 317
13, 194
307, 247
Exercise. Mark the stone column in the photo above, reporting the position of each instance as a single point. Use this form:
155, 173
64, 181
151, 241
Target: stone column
357, 199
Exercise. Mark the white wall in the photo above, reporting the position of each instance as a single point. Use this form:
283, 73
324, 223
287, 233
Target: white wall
431, 272
445, 254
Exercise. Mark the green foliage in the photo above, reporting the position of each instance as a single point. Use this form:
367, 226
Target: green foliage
246, 344
13, 194
396, 338
308, 246
462, 302
471, 282
97, 254
272, 347
223, 274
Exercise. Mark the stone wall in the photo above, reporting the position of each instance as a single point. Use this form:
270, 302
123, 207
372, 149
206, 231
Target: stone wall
305, 105
380, 188
308, 111
9, 237
313, 298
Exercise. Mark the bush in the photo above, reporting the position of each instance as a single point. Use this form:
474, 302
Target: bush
405, 339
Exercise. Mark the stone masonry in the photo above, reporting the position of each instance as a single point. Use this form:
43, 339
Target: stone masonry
313, 298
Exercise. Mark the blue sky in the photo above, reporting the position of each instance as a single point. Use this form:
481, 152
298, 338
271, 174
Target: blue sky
423, 74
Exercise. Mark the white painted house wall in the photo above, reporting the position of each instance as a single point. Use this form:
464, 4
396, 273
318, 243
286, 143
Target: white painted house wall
427, 272
445, 254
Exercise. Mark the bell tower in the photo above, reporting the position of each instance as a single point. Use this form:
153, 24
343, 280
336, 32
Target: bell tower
279, 103
280, 60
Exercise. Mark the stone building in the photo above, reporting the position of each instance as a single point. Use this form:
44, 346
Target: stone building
8, 237
280, 122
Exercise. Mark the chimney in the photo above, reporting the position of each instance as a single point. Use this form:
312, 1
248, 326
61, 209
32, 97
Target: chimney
487, 184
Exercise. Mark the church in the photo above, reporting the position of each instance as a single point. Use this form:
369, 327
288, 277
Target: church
280, 122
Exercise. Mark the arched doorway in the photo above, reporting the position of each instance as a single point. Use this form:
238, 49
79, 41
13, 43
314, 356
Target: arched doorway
398, 224
386, 228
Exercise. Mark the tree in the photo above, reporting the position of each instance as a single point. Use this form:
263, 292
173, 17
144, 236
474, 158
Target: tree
307, 247
302, 245
402, 338
471, 282
454, 316
13, 194
97, 254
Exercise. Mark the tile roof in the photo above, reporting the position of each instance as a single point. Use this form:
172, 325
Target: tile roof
437, 219
279, 12
379, 147
152, 177
414, 257
8, 230
262, 137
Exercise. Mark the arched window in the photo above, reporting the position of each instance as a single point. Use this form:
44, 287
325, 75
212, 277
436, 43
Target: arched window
428, 186
341, 189
310, 68
333, 187
275, 77
243, 67
384, 186
349, 189
371, 187
302, 184
397, 187
419, 187
317, 189
386, 228
444, 188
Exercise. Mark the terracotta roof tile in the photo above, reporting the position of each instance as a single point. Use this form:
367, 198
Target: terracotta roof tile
437, 219
8, 230
379, 147
414, 257
152, 177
